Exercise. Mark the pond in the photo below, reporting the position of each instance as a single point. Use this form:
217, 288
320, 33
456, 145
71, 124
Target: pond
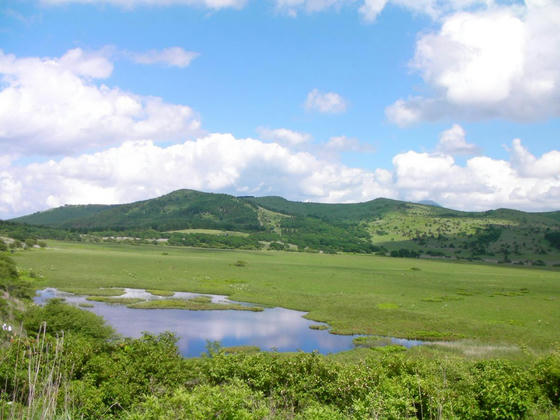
276, 329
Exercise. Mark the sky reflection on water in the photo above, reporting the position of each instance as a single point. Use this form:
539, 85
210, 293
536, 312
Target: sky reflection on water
272, 329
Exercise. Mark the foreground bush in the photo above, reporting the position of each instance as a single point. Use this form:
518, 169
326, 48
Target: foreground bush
85, 372
61, 317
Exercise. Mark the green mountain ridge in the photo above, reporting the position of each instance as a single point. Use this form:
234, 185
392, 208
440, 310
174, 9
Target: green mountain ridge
184, 208
178, 210
380, 225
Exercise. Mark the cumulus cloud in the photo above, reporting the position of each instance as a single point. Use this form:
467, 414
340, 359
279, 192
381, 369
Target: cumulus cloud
218, 162
211, 4
325, 102
524, 182
370, 9
142, 169
172, 56
348, 144
58, 105
283, 136
548, 165
453, 142
291, 7
503, 62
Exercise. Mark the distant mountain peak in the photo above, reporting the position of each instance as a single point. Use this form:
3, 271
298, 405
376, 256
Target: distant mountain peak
430, 203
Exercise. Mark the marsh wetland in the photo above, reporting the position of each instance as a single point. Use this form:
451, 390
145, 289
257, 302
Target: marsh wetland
353, 294
206, 333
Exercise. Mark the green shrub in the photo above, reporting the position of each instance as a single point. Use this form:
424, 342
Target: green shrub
234, 400
62, 317
503, 391
547, 372
10, 280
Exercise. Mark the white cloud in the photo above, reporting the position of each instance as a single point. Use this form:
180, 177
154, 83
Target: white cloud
93, 65
172, 56
325, 102
57, 105
284, 136
348, 144
291, 7
503, 62
211, 4
221, 163
483, 183
453, 142
370, 9
548, 165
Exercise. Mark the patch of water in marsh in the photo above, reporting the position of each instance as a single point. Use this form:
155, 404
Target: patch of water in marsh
143, 294
272, 329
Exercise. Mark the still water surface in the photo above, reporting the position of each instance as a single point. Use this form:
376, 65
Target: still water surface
272, 329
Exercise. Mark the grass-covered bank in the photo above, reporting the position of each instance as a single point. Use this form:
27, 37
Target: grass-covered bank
488, 304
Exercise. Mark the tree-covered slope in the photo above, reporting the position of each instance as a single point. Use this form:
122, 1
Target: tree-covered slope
178, 210
381, 225
60, 216
351, 212
190, 209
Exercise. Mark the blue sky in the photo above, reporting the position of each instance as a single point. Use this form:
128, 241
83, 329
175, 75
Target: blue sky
343, 100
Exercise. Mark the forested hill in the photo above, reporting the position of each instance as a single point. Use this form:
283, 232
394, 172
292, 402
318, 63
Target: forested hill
185, 209
381, 225
180, 209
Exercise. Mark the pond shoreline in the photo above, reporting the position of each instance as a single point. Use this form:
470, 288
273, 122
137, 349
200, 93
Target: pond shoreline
270, 329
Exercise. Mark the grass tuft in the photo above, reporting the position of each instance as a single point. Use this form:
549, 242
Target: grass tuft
114, 300
319, 327
156, 292
191, 305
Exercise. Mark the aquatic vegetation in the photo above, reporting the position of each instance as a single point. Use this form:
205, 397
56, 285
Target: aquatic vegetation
156, 292
318, 327
195, 304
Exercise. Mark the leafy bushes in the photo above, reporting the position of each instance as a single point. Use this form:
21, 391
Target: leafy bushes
61, 317
204, 240
234, 400
547, 373
10, 281
22, 232
88, 374
502, 390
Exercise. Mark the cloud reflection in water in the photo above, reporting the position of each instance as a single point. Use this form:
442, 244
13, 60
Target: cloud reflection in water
273, 328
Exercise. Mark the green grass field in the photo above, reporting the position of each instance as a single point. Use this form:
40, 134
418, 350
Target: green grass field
482, 304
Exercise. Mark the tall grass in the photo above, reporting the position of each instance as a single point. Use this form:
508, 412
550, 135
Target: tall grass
38, 378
